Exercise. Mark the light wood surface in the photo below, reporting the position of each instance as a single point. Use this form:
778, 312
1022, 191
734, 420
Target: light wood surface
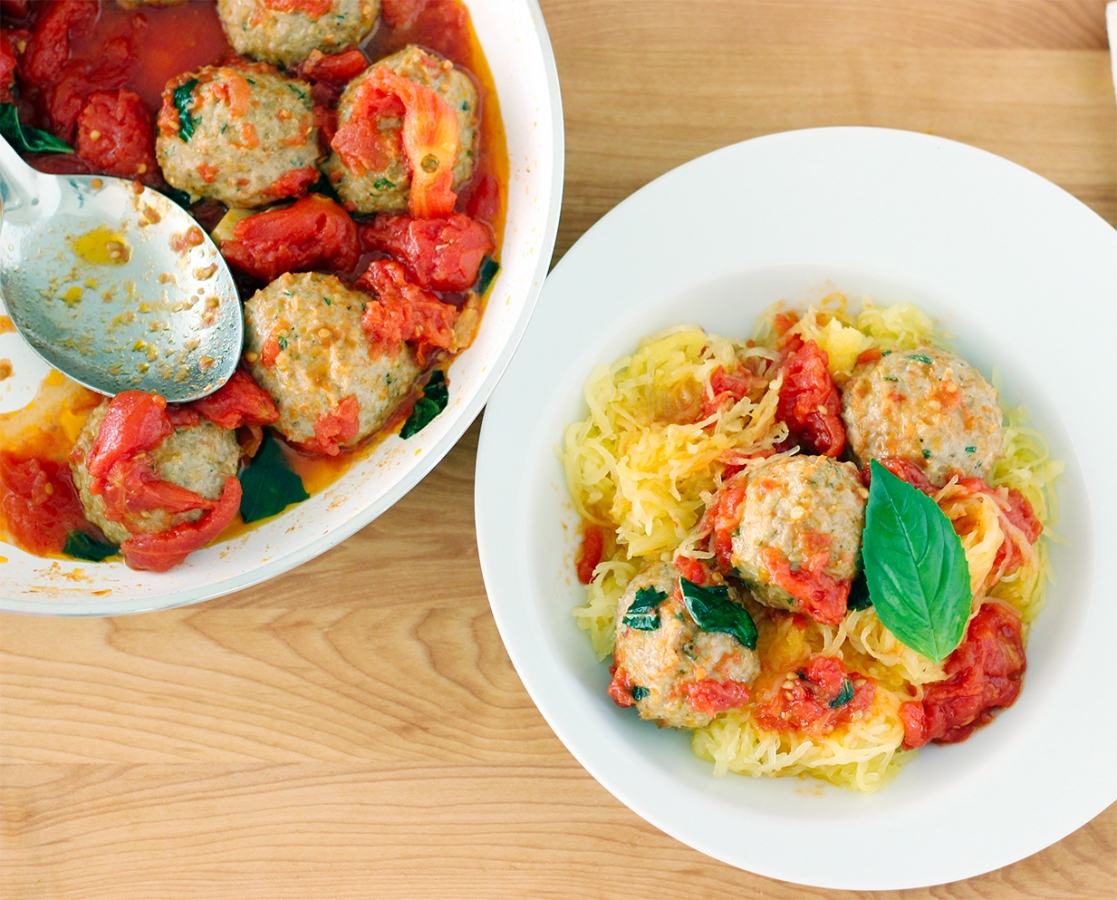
355, 729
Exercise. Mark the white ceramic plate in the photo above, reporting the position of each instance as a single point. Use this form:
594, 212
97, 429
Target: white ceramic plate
514, 39
1026, 277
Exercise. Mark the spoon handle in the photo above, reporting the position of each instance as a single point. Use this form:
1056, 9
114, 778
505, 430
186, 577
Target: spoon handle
20, 185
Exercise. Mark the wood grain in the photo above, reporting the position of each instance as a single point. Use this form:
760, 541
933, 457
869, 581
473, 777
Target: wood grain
354, 728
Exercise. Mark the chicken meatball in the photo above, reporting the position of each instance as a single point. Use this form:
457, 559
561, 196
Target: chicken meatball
927, 406
239, 133
198, 457
385, 186
283, 32
674, 672
306, 347
799, 539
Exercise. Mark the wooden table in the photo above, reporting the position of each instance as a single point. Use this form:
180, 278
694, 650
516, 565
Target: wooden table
355, 729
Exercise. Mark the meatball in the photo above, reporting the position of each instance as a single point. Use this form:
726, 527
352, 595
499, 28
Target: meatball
385, 188
799, 539
196, 457
286, 32
239, 133
927, 406
675, 673
306, 347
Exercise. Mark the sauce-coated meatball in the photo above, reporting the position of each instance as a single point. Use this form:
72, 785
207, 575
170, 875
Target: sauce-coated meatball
385, 188
800, 534
287, 32
239, 133
676, 674
306, 347
196, 457
927, 406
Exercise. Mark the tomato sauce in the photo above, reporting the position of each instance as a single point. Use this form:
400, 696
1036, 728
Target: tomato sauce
93, 46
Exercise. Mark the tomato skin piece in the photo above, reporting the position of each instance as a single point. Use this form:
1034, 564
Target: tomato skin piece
116, 136
240, 401
401, 311
163, 550
335, 70
712, 697
293, 183
39, 504
985, 672
134, 422
430, 138
439, 254
132, 486
905, 470
481, 200
809, 402
589, 555
313, 233
314, 9
819, 594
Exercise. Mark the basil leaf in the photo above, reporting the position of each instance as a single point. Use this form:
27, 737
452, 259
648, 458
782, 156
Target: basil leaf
182, 96
486, 274
712, 610
844, 695
859, 594
642, 614
639, 692
269, 486
83, 546
26, 139
436, 395
915, 566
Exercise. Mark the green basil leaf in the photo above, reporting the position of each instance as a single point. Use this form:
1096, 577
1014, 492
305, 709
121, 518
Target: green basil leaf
486, 274
915, 566
183, 95
83, 546
844, 695
712, 610
639, 692
26, 139
436, 394
642, 614
269, 486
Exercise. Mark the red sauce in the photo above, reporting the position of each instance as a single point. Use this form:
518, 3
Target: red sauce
815, 699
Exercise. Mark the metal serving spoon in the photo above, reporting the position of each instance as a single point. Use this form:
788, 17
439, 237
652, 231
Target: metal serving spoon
114, 284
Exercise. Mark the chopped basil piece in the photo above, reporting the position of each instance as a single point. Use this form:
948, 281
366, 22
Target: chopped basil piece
26, 139
859, 594
919, 357
971, 449
844, 696
712, 610
436, 395
182, 96
383, 184
83, 546
915, 566
269, 486
643, 614
282, 341
486, 274
639, 692
926, 453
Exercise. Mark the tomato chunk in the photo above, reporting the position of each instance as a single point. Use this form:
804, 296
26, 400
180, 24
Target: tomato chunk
314, 9
984, 673
163, 550
39, 504
314, 233
7, 69
816, 699
723, 519
819, 594
809, 402
712, 697
336, 70
402, 311
726, 388
332, 429
238, 402
430, 138
116, 135
620, 688
691, 569
134, 422
439, 254
589, 555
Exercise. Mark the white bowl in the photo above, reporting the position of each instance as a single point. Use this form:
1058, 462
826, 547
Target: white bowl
1026, 277
514, 40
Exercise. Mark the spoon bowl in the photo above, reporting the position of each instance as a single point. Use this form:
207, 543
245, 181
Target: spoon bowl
114, 284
